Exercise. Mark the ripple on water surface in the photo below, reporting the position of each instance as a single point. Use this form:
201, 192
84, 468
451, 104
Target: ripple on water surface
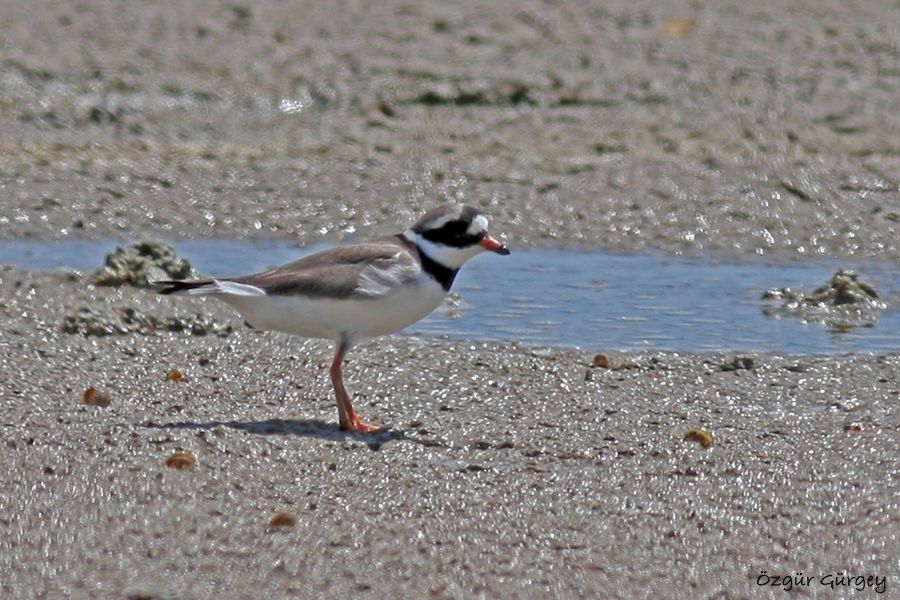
594, 300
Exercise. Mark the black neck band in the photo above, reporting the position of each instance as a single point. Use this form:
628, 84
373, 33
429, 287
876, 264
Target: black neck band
443, 275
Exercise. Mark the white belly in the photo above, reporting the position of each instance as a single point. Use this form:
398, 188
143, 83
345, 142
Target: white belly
331, 318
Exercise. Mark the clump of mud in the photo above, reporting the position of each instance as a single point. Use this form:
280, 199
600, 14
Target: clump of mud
137, 265
123, 320
843, 303
477, 92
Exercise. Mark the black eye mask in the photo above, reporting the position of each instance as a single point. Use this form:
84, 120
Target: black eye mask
455, 234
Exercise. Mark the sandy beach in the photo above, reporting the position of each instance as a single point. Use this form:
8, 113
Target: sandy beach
509, 470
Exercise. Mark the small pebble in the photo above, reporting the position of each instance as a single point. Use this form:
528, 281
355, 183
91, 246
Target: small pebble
283, 520
94, 398
600, 361
701, 436
181, 460
174, 375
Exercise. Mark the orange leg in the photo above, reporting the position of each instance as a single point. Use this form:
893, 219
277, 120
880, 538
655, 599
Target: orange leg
348, 418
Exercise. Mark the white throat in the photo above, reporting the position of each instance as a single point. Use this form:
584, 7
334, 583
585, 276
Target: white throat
447, 256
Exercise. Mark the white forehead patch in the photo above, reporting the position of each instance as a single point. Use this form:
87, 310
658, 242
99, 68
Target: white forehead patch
478, 225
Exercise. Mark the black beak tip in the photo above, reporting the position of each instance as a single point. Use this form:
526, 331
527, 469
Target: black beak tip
503, 250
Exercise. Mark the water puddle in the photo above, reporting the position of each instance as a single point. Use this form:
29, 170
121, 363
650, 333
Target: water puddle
593, 300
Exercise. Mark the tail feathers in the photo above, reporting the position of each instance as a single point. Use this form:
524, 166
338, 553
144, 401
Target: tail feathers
192, 287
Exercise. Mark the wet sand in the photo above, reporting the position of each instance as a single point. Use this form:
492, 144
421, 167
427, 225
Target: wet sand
767, 130
510, 471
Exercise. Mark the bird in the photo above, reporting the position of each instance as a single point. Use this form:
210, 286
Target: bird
357, 291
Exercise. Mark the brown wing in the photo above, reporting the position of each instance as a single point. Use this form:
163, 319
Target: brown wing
339, 272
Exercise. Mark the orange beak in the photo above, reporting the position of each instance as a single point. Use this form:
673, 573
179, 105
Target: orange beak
493, 245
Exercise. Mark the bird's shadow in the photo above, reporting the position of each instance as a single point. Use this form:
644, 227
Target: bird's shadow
300, 427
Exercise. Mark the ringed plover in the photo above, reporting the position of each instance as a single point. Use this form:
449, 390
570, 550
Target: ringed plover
357, 291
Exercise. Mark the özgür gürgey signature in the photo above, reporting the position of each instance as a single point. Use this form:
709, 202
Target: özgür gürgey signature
834, 581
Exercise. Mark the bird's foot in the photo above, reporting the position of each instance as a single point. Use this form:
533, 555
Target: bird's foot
354, 423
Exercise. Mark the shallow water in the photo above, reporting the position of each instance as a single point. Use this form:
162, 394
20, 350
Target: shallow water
593, 300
